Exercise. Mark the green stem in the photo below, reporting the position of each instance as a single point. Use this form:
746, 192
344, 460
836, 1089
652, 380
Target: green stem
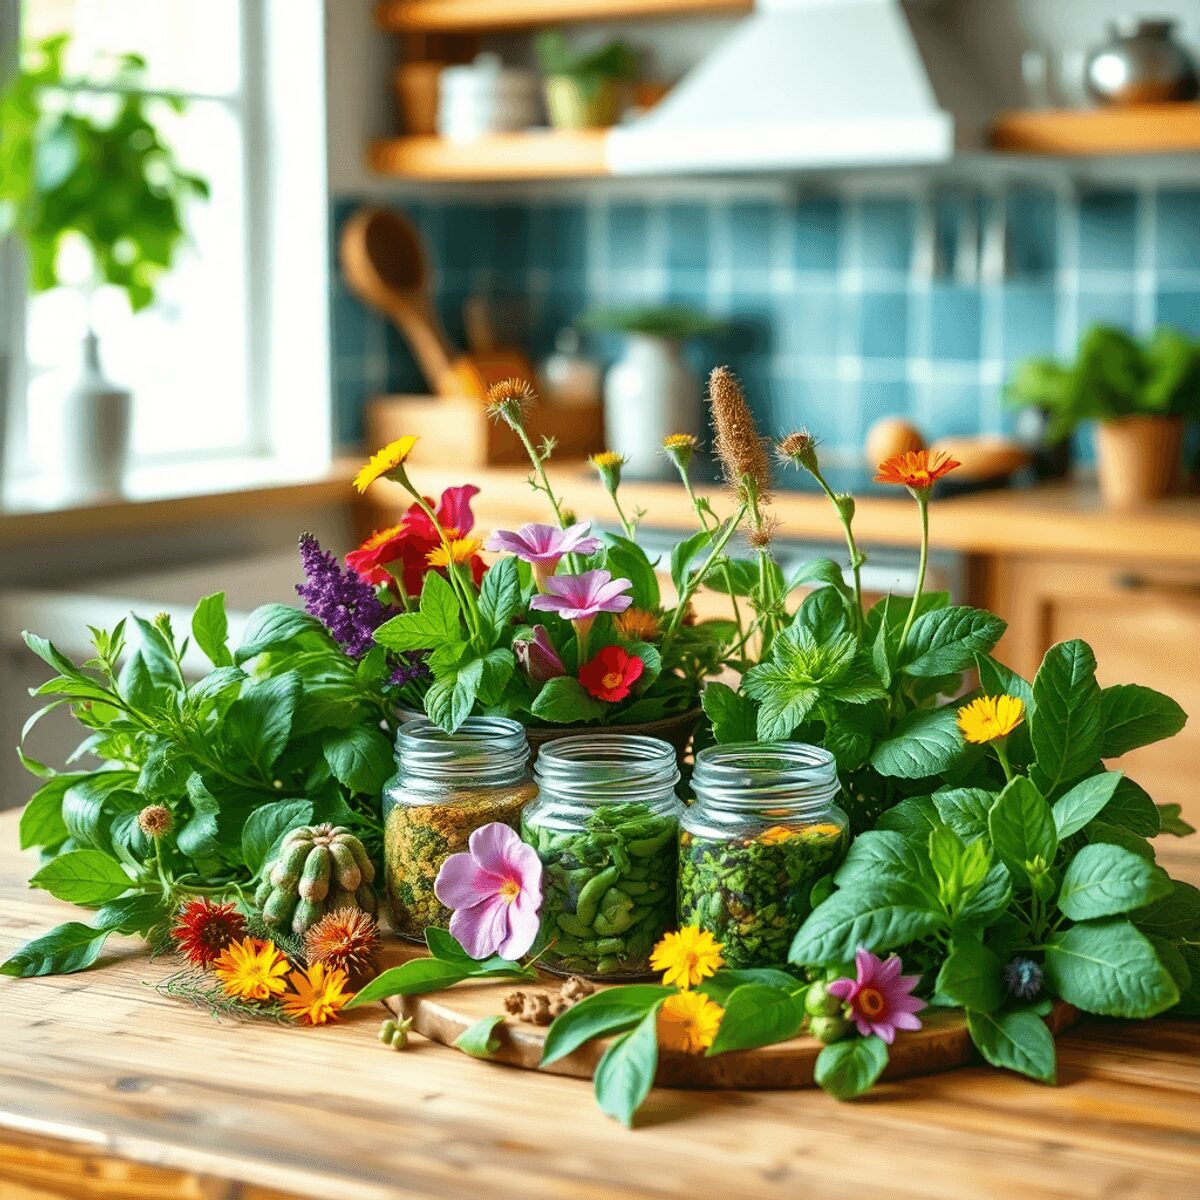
628, 526
1002, 755
689, 589
856, 559
726, 574
923, 505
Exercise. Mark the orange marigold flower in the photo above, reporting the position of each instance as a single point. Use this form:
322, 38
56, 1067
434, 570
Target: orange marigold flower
688, 1021
317, 994
917, 470
251, 969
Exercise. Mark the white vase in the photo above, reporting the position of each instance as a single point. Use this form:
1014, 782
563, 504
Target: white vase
95, 424
649, 393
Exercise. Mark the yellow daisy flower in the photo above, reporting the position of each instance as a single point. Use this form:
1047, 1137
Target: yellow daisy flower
990, 717
317, 994
384, 462
688, 1021
251, 969
606, 460
460, 550
687, 957
680, 441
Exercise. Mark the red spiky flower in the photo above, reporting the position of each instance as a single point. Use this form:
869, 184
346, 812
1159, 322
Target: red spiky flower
204, 929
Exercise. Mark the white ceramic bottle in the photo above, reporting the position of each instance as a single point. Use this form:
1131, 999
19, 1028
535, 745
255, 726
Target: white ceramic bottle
96, 425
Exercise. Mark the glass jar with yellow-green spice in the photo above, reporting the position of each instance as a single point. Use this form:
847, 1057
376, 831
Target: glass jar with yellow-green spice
604, 826
764, 828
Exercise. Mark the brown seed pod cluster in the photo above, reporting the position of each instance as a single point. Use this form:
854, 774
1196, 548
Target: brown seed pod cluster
739, 447
540, 1008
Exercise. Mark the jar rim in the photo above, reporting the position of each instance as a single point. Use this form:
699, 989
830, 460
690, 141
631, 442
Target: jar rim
607, 766
749, 774
487, 746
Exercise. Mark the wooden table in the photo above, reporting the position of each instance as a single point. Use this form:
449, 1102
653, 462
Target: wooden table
108, 1089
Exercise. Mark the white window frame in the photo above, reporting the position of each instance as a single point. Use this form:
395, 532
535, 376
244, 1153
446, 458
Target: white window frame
282, 110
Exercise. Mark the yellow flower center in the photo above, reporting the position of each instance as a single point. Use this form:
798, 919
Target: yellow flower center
612, 680
510, 889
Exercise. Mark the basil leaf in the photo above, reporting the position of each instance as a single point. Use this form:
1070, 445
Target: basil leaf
948, 639
733, 715
758, 1015
627, 560
913, 819
1066, 725
1084, 801
65, 949
970, 977
601, 1013
563, 701
83, 877
721, 985
42, 821
210, 629
1175, 915
925, 742
479, 1040
683, 555
625, 1074
1018, 1040
878, 917
847, 1069
360, 757
1101, 881
965, 810
132, 914
421, 975
265, 829
1132, 808
500, 594
1133, 716
271, 625
1022, 828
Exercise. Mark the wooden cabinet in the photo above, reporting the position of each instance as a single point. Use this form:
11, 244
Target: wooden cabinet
1143, 623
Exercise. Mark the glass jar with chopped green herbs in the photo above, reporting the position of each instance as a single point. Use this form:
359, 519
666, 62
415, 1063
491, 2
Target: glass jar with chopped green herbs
764, 828
604, 825
446, 786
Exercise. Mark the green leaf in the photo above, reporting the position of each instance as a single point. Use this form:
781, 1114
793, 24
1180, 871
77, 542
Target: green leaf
479, 1040
925, 742
52, 656
1114, 835
65, 949
878, 917
848, 1069
913, 819
210, 629
164, 773
1018, 1040
500, 594
823, 572
734, 717
265, 829
1084, 801
965, 810
625, 1074
782, 702
682, 556
627, 560
720, 987
421, 975
93, 801
948, 639
1171, 822
360, 757
995, 679
1132, 808
1174, 915
1022, 827
970, 977
259, 721
271, 626
563, 701
601, 1013
1101, 881
83, 877
1109, 968
758, 1015
990, 900
960, 868
824, 614
138, 913
877, 855
42, 821
1133, 716
1065, 728
449, 702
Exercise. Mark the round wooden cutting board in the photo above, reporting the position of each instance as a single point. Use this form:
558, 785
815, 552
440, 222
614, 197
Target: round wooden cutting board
943, 1041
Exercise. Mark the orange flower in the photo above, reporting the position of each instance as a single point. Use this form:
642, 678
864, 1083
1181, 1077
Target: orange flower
917, 470
317, 994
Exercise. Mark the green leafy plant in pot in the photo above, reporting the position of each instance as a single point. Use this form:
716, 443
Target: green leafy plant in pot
99, 175
1141, 393
583, 88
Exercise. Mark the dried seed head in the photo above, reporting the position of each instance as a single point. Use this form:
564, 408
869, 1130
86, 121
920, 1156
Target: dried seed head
764, 534
510, 400
799, 449
741, 450
155, 820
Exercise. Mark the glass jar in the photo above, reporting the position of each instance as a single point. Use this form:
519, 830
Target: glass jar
446, 786
764, 828
604, 825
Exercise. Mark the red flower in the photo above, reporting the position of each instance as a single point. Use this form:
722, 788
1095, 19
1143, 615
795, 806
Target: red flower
205, 929
410, 542
611, 673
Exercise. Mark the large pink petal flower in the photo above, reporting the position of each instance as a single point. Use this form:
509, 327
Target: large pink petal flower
581, 597
482, 928
454, 508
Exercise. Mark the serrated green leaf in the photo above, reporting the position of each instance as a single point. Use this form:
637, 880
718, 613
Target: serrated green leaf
734, 716
948, 639
970, 977
878, 917
265, 829
359, 757
1022, 828
925, 742
500, 594
965, 810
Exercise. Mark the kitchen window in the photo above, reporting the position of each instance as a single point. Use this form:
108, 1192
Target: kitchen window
204, 361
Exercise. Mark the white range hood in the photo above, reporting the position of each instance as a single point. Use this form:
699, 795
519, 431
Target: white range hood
807, 84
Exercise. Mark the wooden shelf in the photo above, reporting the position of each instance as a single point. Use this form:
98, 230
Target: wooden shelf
475, 16
542, 154
1149, 129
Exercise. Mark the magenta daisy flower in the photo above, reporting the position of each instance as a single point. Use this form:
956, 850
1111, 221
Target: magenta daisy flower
880, 999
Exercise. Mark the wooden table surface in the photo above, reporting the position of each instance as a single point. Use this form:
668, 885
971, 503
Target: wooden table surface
97, 1067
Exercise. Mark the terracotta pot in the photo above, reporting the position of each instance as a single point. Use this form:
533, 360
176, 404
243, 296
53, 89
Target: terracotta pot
416, 85
1137, 459
675, 730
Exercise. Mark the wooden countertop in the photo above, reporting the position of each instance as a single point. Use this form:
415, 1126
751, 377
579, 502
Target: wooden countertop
1059, 520
97, 1067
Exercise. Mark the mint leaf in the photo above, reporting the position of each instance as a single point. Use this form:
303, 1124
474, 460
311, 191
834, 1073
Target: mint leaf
965, 810
1109, 968
272, 625
625, 1074
970, 977
436, 623
1065, 728
1174, 915
210, 629
847, 1069
757, 1014
42, 821
947, 640
925, 742
1022, 828
85, 877
563, 701
878, 855
359, 757
259, 721
1132, 808
877, 916
1101, 881
1133, 716
1084, 801
683, 555
721, 986
1018, 1040
479, 1039
601, 1013
914, 819
500, 594
733, 715
421, 975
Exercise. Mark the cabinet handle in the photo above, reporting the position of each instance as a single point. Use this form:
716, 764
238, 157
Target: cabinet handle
1130, 581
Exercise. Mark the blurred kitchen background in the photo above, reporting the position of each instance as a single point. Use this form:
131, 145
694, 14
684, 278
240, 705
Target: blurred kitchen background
288, 224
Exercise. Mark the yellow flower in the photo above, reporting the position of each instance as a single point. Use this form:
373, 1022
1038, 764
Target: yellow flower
606, 460
680, 441
460, 550
251, 969
990, 718
687, 957
384, 462
636, 625
509, 401
688, 1021
317, 994
776, 834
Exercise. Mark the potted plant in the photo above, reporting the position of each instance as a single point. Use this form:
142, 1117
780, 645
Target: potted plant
106, 180
1140, 393
583, 88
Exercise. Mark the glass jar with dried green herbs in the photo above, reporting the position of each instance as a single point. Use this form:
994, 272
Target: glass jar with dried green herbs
604, 825
446, 786
764, 828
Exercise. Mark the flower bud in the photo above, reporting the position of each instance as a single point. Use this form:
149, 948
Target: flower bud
799, 449
819, 1003
829, 1029
679, 448
608, 464
538, 658
155, 820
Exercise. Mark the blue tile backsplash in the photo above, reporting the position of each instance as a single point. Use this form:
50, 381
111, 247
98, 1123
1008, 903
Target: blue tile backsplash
839, 309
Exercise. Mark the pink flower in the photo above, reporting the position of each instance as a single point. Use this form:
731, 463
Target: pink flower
544, 545
538, 658
581, 597
495, 890
880, 999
